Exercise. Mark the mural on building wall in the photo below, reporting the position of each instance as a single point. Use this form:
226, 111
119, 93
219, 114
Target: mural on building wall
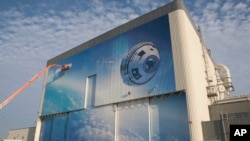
132, 65
160, 118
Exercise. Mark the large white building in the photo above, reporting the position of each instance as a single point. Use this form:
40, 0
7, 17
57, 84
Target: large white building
149, 79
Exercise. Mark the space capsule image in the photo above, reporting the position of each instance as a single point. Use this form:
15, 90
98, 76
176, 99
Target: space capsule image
140, 64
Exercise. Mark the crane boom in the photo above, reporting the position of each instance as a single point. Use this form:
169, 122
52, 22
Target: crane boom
16, 93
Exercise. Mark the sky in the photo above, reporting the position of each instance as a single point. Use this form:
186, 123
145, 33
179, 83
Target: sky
32, 32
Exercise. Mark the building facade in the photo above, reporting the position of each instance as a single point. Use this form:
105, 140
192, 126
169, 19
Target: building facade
149, 79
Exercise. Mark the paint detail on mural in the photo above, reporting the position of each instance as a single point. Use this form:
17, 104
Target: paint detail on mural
140, 64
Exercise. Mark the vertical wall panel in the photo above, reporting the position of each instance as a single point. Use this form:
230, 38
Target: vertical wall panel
59, 130
132, 121
189, 70
46, 129
169, 120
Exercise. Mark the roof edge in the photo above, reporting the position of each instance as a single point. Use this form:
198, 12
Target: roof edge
154, 14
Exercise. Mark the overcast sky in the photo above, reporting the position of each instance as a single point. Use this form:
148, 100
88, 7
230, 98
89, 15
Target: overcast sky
34, 31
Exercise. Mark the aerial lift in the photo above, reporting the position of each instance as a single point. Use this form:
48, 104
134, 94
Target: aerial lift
63, 68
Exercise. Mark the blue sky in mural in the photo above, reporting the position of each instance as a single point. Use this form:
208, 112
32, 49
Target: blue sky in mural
33, 32
167, 116
94, 124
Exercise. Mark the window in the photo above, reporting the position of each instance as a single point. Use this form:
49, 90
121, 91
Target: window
90, 92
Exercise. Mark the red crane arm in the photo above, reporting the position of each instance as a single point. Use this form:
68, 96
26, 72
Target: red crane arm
10, 98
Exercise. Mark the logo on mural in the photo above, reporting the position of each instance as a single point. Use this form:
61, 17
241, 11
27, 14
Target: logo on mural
140, 64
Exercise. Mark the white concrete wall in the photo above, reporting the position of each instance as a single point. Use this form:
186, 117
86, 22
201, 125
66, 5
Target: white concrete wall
24, 134
190, 70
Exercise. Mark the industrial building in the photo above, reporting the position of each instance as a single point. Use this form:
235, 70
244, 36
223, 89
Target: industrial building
233, 110
150, 79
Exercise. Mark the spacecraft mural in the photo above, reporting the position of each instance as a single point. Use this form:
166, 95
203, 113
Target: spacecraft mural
120, 89
135, 64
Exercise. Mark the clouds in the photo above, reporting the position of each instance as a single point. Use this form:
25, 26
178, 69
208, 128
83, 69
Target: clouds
51, 32
94, 124
47, 25
227, 17
225, 27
